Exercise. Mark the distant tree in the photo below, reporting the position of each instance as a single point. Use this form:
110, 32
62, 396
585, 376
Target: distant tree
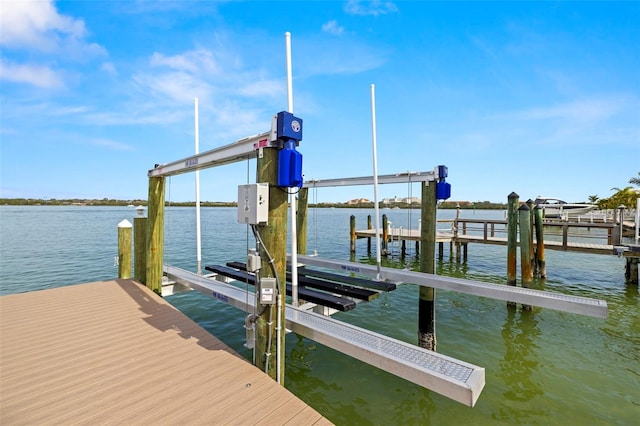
625, 196
635, 180
593, 199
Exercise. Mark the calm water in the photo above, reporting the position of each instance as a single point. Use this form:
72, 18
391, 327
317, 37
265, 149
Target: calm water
542, 367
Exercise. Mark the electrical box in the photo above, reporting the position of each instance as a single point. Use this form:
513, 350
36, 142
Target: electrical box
268, 291
253, 203
253, 261
289, 126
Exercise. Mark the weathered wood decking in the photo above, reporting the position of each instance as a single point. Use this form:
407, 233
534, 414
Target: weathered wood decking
114, 352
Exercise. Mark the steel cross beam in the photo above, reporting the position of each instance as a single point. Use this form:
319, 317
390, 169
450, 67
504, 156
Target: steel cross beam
237, 151
368, 180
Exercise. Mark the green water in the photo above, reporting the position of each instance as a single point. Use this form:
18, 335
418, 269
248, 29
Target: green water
542, 366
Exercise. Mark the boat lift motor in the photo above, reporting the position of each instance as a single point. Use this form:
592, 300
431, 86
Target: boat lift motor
443, 188
289, 131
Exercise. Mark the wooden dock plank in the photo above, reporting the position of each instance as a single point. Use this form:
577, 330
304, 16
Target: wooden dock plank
115, 352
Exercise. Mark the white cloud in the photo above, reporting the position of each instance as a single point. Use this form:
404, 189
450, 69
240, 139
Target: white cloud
36, 24
332, 27
111, 144
373, 7
194, 61
589, 110
339, 56
109, 68
36, 75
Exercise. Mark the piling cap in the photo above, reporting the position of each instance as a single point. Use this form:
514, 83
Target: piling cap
523, 208
513, 195
125, 224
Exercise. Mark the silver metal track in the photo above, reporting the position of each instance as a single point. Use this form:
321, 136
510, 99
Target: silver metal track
368, 180
237, 151
458, 380
545, 299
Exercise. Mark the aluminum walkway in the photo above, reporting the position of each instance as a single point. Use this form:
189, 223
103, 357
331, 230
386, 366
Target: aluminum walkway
454, 379
545, 299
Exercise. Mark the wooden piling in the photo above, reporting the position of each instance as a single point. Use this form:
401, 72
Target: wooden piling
426, 301
385, 234
525, 233
301, 220
155, 234
512, 238
352, 233
532, 253
631, 270
269, 350
124, 249
541, 265
369, 226
140, 249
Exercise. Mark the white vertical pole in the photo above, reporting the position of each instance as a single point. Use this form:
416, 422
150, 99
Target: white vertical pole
197, 143
375, 178
293, 200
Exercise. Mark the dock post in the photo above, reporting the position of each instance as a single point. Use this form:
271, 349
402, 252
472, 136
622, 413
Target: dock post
512, 239
426, 302
352, 233
301, 222
525, 233
532, 253
440, 250
620, 223
139, 249
155, 234
385, 234
269, 346
631, 270
369, 226
124, 249
541, 265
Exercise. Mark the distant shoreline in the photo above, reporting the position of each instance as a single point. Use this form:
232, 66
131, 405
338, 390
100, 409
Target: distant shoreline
465, 205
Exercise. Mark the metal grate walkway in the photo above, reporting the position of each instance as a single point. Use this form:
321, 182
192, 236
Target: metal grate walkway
447, 376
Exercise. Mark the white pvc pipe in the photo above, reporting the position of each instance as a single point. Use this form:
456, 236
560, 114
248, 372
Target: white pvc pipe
198, 237
375, 178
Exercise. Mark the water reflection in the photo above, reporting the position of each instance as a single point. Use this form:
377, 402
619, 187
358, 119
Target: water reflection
519, 369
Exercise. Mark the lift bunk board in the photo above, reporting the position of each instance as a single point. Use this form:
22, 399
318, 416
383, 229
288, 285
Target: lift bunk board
322, 288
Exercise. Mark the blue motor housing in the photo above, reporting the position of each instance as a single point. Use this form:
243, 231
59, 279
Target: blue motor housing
443, 190
289, 166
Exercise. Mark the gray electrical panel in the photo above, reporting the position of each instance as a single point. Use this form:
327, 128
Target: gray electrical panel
268, 291
253, 203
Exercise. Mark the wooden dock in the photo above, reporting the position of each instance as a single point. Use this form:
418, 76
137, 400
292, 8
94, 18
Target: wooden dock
115, 352
485, 231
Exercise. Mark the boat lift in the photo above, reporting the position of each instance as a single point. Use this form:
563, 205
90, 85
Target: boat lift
452, 378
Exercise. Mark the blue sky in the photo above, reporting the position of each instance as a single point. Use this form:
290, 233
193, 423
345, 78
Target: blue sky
531, 97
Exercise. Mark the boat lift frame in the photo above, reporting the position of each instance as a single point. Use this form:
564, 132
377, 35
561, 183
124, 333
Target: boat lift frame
454, 379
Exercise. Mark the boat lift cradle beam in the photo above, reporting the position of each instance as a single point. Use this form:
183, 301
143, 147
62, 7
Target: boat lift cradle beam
527, 296
454, 379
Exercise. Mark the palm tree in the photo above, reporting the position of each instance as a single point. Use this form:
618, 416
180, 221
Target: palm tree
593, 199
635, 180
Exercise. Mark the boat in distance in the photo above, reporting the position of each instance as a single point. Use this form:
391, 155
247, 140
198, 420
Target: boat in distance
555, 207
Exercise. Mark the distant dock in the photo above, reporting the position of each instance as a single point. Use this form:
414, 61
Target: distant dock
115, 352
